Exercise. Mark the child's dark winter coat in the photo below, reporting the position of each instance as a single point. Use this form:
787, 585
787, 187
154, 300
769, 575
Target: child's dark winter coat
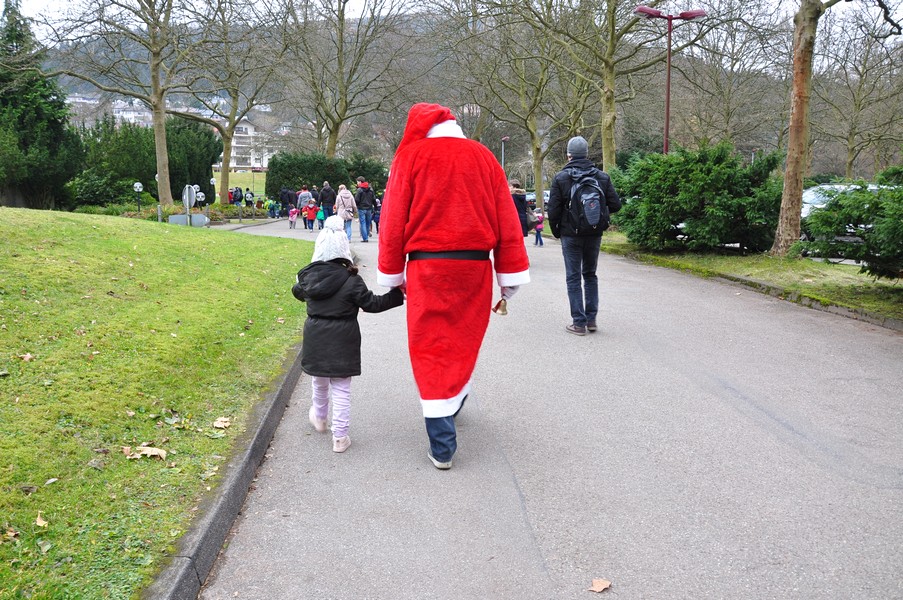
334, 293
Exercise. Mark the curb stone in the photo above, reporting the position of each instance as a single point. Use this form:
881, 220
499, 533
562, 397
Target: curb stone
185, 571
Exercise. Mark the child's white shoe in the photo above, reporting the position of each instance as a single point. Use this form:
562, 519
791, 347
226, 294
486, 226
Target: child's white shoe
340, 444
319, 424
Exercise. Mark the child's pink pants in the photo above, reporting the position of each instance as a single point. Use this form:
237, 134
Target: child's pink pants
341, 401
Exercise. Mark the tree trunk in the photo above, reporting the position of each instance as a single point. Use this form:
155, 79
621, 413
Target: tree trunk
805, 28
332, 142
164, 194
226, 136
536, 151
609, 116
158, 112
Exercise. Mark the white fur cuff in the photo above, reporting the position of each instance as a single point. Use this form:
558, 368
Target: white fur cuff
513, 279
387, 280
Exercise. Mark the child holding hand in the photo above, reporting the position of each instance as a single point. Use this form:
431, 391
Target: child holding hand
331, 347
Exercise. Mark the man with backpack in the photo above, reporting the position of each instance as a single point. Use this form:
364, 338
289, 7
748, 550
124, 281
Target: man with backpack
581, 200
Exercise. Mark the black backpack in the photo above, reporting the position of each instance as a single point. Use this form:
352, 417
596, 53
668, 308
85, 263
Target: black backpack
587, 208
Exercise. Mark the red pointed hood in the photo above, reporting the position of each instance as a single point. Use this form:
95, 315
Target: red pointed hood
421, 119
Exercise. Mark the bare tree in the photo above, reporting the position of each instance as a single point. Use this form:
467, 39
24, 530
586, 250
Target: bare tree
725, 91
805, 29
235, 73
605, 42
347, 64
859, 90
134, 48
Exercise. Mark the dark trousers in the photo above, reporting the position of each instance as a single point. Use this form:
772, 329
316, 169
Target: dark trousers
443, 438
581, 256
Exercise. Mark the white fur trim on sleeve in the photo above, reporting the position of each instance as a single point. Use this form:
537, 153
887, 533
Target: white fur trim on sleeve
512, 279
387, 280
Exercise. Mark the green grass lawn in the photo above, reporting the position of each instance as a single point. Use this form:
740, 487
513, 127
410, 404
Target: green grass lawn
836, 284
255, 181
118, 334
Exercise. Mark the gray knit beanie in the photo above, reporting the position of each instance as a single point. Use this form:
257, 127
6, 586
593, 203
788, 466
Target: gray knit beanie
577, 147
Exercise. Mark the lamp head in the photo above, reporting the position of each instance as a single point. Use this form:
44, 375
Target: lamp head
649, 13
691, 14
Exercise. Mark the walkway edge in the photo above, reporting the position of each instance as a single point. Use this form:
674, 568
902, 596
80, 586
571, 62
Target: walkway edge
779, 292
187, 569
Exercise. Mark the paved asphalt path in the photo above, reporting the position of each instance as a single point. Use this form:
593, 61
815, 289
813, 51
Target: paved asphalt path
707, 442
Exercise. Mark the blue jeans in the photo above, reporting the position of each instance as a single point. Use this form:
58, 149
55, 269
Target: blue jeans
365, 216
443, 438
327, 211
538, 241
581, 255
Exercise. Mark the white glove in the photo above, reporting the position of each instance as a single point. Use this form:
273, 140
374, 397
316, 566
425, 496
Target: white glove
508, 292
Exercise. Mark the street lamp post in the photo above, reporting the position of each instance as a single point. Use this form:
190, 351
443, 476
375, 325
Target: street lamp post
652, 13
138, 189
504, 139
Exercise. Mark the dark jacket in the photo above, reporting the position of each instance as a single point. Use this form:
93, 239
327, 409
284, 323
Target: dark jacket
560, 196
365, 198
520, 202
334, 294
327, 197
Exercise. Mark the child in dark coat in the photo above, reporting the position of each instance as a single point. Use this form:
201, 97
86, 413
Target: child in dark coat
331, 348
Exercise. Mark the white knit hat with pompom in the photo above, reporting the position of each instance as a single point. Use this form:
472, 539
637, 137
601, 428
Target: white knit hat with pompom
332, 241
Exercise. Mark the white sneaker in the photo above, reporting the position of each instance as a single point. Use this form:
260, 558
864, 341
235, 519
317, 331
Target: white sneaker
340, 444
319, 424
439, 465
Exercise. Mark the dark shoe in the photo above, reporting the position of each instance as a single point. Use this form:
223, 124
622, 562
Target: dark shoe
591, 326
576, 329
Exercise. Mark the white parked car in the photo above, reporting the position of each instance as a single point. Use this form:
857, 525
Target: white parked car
817, 196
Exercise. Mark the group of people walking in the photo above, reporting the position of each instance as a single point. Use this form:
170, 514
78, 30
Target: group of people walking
445, 278
313, 205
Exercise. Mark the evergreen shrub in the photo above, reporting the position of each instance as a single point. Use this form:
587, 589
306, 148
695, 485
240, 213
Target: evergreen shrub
700, 200
862, 225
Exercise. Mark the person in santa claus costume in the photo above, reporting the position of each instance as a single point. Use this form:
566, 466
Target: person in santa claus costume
437, 175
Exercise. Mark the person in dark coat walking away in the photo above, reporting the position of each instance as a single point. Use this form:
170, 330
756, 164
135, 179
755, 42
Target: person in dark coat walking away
331, 350
327, 200
580, 244
366, 204
520, 201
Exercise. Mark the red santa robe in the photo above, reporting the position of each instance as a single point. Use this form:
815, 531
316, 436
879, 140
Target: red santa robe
446, 193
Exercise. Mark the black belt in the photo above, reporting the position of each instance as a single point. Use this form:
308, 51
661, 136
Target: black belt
328, 318
452, 254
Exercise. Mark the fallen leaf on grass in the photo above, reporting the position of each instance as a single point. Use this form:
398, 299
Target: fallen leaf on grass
28, 489
147, 451
280, 320
27, 357
40, 522
130, 413
599, 585
215, 435
207, 475
51, 480
222, 423
45, 546
96, 463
